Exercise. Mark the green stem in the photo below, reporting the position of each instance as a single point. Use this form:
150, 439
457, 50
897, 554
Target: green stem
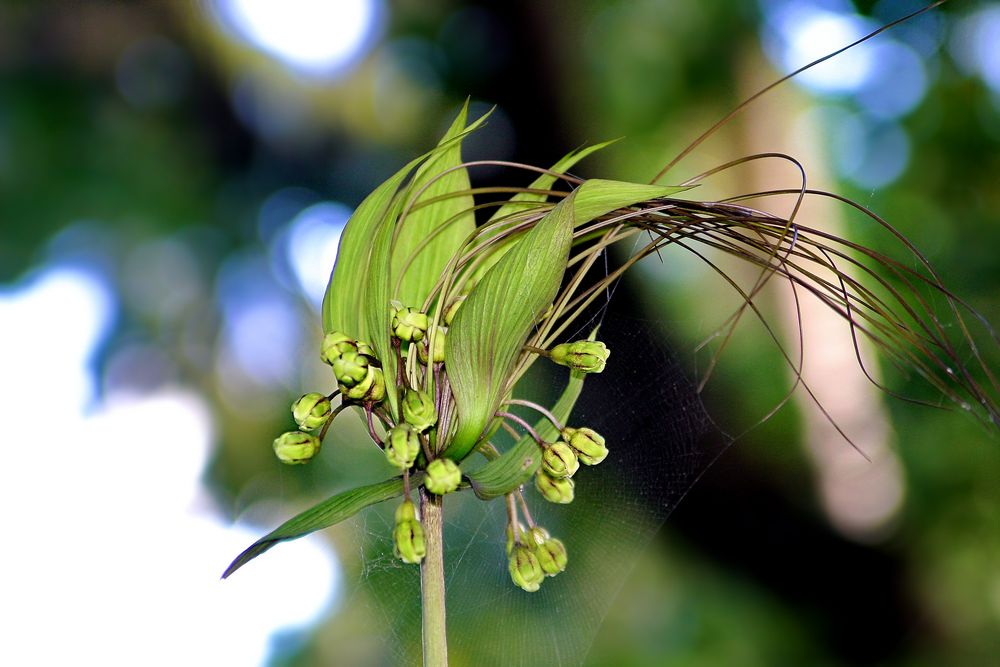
432, 600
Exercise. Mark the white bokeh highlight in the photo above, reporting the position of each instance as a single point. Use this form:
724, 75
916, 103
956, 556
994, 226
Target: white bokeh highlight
317, 37
113, 549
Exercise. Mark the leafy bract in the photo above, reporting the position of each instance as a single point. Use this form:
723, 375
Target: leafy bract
517, 203
598, 196
492, 325
342, 309
323, 515
517, 465
431, 234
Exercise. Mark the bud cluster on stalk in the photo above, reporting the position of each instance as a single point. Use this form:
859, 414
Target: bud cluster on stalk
533, 555
410, 432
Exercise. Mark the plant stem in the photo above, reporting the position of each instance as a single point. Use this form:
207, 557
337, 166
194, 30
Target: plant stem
432, 599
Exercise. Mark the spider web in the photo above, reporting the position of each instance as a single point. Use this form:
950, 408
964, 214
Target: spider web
661, 441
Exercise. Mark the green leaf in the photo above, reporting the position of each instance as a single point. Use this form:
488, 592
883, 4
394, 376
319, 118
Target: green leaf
435, 232
493, 324
517, 465
598, 196
342, 302
327, 513
514, 468
543, 182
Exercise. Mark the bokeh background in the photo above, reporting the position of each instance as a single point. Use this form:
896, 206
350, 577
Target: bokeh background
174, 177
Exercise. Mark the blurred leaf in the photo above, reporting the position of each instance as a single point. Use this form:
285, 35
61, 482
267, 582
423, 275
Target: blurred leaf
327, 513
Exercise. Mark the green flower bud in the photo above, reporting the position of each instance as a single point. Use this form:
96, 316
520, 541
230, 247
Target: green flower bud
409, 324
369, 390
366, 350
418, 410
554, 490
443, 476
551, 555
311, 411
408, 535
295, 447
525, 570
449, 312
402, 444
439, 339
559, 460
588, 356
350, 368
335, 344
589, 445
510, 535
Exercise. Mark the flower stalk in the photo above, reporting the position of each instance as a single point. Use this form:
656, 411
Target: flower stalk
432, 590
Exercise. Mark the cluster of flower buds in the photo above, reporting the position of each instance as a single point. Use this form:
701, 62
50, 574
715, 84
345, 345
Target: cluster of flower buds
358, 374
533, 555
409, 324
359, 379
586, 356
561, 460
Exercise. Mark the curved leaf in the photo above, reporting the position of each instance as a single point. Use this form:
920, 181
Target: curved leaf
342, 302
492, 325
599, 196
516, 466
327, 513
425, 226
543, 182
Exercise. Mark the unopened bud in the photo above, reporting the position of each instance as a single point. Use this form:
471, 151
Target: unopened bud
311, 411
439, 339
589, 444
402, 444
366, 350
559, 460
369, 390
443, 476
551, 555
418, 410
409, 324
587, 356
295, 447
335, 344
408, 535
554, 490
525, 570
510, 535
350, 368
